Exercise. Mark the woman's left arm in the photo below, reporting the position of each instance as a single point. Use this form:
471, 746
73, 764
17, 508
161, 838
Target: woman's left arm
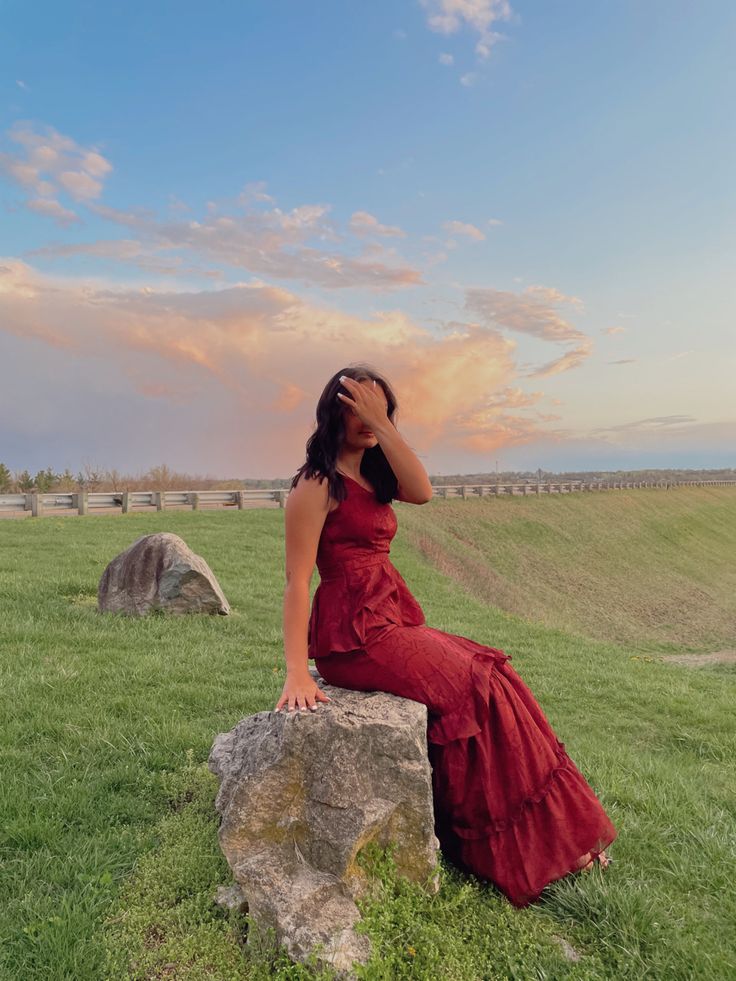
414, 485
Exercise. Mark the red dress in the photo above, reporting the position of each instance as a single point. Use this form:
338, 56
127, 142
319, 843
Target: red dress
510, 806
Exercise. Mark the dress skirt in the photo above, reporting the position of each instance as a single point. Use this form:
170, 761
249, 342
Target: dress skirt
510, 806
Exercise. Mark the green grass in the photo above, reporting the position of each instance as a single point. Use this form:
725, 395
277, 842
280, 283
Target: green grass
108, 835
644, 567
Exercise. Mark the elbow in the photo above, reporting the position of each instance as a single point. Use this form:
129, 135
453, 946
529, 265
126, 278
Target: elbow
296, 581
416, 496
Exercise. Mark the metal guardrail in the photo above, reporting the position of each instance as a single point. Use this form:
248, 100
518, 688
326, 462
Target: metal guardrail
83, 502
565, 487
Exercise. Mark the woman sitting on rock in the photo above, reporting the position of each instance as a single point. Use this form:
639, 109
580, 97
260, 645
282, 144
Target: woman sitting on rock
510, 805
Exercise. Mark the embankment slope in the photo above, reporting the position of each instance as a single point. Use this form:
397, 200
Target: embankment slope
651, 568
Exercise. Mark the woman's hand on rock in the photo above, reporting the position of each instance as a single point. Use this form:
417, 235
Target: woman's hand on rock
301, 692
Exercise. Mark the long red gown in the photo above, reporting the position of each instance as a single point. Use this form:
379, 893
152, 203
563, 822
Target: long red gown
510, 806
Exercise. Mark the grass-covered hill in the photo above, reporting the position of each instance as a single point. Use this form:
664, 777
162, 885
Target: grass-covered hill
109, 857
652, 568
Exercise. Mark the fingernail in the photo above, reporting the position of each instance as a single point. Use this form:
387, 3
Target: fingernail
342, 378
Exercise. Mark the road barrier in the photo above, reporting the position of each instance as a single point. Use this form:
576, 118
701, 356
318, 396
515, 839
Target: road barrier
85, 502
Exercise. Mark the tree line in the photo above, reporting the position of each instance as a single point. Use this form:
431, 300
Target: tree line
91, 478
163, 477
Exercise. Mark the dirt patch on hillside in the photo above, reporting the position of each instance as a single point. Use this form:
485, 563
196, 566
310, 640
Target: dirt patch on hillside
700, 660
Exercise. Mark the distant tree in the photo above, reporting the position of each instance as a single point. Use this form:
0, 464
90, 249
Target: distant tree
45, 480
67, 481
161, 477
115, 479
89, 477
24, 481
6, 481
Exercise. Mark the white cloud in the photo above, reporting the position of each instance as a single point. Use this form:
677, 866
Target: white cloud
446, 59
176, 204
254, 191
79, 185
469, 79
571, 359
449, 16
533, 313
363, 223
52, 209
50, 164
274, 243
652, 424
95, 164
548, 294
464, 228
513, 398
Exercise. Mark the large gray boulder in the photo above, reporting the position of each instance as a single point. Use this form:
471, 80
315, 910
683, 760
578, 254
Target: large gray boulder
159, 572
302, 792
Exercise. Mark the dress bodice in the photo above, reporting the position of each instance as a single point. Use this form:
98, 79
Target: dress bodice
360, 589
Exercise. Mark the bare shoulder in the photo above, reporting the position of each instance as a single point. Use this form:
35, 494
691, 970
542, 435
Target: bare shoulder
307, 507
310, 496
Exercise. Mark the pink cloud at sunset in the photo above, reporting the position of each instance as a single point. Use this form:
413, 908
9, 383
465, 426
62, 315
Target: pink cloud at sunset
454, 387
180, 284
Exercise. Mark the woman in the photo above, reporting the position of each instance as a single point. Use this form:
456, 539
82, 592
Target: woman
510, 805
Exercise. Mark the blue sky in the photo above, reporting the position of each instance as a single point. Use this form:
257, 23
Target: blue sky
523, 214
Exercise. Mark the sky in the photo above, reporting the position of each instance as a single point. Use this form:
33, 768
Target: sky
521, 213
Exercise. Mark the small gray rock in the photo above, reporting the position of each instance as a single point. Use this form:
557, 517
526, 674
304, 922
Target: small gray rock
231, 897
568, 951
159, 572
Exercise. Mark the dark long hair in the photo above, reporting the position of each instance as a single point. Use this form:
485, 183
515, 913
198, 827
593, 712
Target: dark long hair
325, 442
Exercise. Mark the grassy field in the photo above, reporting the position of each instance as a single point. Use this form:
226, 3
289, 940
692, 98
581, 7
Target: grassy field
108, 835
644, 567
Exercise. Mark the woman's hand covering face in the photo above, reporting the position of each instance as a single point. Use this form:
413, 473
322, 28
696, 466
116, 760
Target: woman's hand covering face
368, 401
